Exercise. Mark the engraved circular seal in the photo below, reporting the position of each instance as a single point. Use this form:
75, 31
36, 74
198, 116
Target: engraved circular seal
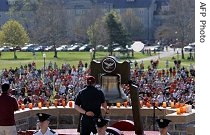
108, 64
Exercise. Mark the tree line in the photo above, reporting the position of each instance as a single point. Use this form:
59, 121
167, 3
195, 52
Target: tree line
46, 22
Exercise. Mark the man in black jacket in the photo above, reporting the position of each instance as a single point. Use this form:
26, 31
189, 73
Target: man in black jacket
88, 102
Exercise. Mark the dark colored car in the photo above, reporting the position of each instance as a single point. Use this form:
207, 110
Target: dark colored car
159, 48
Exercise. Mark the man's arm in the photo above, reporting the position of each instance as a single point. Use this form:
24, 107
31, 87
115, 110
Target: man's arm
16, 107
106, 109
79, 109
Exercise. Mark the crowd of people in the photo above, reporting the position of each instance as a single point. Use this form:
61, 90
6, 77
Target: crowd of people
31, 85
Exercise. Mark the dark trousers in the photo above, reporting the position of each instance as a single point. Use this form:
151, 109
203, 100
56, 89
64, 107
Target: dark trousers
87, 125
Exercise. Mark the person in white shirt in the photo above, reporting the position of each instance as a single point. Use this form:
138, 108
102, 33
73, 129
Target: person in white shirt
44, 125
160, 98
62, 89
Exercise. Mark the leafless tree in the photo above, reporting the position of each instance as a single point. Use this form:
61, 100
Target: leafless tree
132, 24
51, 24
183, 20
181, 23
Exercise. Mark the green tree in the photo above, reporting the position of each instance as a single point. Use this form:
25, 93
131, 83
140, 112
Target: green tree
14, 34
1, 38
22, 10
117, 33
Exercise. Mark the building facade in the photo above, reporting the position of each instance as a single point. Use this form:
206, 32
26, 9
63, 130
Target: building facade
151, 13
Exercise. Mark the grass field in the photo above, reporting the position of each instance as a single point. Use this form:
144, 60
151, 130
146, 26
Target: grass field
7, 59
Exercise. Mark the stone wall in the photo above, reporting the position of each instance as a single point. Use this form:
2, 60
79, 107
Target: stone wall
67, 118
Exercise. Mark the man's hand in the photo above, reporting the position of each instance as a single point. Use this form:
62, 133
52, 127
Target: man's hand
89, 113
107, 111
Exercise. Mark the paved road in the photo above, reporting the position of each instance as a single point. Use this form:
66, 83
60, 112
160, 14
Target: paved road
162, 54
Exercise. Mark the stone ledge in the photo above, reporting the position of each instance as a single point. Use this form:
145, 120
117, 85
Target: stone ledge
66, 117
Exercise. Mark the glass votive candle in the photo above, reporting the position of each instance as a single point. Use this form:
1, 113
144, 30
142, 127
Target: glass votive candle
63, 103
164, 105
141, 103
19, 106
181, 104
178, 111
181, 109
148, 104
40, 105
56, 103
184, 109
47, 104
125, 104
22, 106
70, 103
177, 105
172, 104
156, 103
30, 105
118, 104
188, 108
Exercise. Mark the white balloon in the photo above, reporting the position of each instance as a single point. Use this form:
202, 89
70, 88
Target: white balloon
137, 46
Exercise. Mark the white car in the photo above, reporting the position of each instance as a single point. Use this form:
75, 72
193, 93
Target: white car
62, 48
4, 49
190, 47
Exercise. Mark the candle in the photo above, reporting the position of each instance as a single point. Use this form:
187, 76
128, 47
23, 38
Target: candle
178, 111
172, 104
118, 104
63, 103
181, 109
177, 105
40, 105
141, 103
125, 103
164, 105
188, 108
148, 104
184, 109
70, 103
181, 104
19, 106
156, 103
30, 105
22, 106
56, 103
47, 104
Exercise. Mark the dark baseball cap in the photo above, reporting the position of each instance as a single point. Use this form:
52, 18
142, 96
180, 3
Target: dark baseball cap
43, 116
162, 123
90, 80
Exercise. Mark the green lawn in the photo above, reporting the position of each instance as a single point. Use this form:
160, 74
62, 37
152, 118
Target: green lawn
7, 58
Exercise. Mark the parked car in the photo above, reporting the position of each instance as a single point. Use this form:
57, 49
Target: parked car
28, 48
74, 48
62, 48
85, 47
190, 47
118, 49
4, 49
100, 48
17, 48
159, 48
49, 48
